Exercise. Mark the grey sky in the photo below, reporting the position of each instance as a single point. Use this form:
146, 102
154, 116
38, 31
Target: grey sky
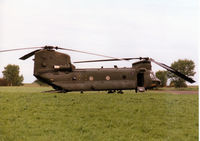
164, 30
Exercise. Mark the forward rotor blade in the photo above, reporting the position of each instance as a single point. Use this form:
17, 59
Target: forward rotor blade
104, 60
173, 71
29, 55
19, 49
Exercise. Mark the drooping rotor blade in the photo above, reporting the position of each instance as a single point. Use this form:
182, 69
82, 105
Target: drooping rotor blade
19, 49
104, 60
88, 53
170, 69
55, 47
29, 55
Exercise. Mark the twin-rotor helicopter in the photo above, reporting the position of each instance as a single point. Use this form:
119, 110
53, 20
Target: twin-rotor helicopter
56, 69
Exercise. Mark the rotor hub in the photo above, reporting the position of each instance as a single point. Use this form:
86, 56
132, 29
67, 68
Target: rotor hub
50, 47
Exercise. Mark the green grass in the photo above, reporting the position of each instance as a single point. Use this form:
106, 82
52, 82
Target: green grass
189, 88
28, 115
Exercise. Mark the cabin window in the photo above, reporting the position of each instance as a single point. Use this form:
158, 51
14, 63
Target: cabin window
124, 76
74, 78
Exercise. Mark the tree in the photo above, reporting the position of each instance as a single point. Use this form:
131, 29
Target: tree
162, 75
186, 67
11, 74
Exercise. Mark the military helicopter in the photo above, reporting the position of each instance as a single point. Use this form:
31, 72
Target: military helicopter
55, 69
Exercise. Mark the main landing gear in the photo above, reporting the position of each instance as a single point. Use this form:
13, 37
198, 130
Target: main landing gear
115, 91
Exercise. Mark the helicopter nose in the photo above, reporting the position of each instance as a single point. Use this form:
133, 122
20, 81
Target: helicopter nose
155, 83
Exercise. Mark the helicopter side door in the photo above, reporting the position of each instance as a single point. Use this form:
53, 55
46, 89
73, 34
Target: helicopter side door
140, 81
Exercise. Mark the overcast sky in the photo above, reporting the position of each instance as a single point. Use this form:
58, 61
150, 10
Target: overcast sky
166, 30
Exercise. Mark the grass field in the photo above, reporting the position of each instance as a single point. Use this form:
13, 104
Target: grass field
26, 114
189, 88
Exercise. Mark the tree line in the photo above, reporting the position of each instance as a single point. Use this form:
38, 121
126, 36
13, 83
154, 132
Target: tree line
185, 66
11, 75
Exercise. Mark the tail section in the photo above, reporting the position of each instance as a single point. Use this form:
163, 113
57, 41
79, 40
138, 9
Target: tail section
48, 63
50, 60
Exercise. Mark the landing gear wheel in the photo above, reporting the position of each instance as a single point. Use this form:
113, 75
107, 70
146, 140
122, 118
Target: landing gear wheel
120, 92
63, 91
111, 91
136, 90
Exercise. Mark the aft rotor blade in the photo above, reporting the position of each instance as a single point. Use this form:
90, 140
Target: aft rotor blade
19, 49
170, 69
29, 55
104, 60
88, 53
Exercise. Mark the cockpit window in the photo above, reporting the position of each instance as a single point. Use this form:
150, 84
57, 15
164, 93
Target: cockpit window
152, 76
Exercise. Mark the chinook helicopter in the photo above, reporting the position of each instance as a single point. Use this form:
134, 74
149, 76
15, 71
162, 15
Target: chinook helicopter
55, 69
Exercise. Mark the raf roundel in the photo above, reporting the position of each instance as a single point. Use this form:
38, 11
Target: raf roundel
91, 78
107, 77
